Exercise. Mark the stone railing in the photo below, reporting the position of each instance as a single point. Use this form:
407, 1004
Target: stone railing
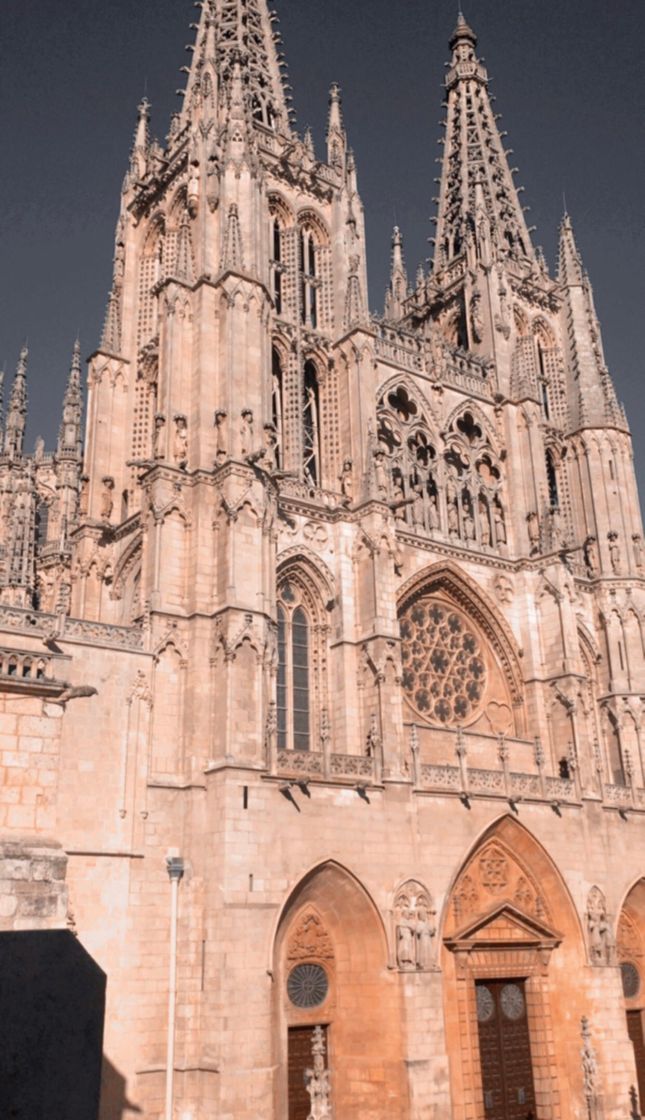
389, 347
334, 767
22, 621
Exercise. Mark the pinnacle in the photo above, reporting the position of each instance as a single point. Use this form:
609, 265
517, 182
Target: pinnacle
463, 32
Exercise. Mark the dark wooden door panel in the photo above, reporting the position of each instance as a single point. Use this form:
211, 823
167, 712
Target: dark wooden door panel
635, 1029
300, 1059
505, 1050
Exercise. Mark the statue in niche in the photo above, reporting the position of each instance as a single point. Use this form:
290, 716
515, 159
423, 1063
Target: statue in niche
180, 447
467, 517
638, 549
347, 482
317, 1080
418, 510
453, 512
269, 452
221, 418
246, 432
399, 499
160, 424
415, 928
602, 946
590, 552
83, 497
405, 941
380, 475
484, 522
107, 499
533, 525
433, 513
614, 551
500, 523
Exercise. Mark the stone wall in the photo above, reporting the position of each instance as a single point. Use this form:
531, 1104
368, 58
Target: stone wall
33, 891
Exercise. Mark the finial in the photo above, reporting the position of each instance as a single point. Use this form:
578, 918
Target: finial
462, 33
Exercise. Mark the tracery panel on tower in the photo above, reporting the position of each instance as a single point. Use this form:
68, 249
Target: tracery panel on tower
301, 682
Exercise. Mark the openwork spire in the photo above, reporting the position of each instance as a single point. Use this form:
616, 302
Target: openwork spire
398, 288
69, 435
241, 31
17, 414
478, 200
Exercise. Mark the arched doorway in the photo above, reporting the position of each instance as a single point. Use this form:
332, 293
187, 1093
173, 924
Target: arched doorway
512, 959
630, 944
337, 1006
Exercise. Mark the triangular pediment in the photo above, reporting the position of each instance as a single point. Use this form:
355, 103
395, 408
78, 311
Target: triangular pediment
504, 925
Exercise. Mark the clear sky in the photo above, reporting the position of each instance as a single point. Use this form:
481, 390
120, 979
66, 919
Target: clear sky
569, 77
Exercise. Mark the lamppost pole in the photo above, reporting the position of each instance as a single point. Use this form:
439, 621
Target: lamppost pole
175, 867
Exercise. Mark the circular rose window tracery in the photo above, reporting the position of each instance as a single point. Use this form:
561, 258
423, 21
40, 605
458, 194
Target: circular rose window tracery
444, 672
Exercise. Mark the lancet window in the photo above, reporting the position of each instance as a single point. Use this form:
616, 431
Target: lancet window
552, 481
311, 459
301, 687
277, 405
307, 263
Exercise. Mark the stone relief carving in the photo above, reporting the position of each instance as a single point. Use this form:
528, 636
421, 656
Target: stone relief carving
602, 947
309, 940
415, 927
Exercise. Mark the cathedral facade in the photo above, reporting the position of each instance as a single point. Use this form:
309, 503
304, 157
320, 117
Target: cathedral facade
322, 672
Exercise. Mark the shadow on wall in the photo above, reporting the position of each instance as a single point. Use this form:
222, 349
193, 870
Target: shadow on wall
114, 1102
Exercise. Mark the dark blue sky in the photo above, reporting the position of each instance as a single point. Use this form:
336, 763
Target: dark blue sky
569, 77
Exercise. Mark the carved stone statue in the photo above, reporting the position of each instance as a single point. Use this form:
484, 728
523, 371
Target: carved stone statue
418, 510
602, 945
433, 513
533, 526
160, 424
180, 448
317, 1080
405, 941
500, 523
614, 551
347, 482
246, 432
221, 418
380, 474
107, 499
415, 927
637, 541
591, 555
484, 522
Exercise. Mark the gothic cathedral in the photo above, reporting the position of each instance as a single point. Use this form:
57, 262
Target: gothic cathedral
322, 671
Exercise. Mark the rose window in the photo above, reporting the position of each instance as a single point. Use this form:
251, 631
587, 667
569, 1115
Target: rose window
444, 673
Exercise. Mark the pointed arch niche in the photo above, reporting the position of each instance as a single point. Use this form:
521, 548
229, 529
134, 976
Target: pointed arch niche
461, 668
509, 921
331, 922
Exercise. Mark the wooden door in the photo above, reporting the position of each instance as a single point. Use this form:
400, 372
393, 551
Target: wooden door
300, 1060
505, 1050
635, 1029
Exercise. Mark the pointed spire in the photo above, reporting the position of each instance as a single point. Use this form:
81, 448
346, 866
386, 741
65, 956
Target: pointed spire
354, 310
336, 135
245, 31
233, 256
141, 145
111, 337
2, 377
478, 201
185, 269
69, 435
17, 415
570, 270
398, 288
597, 404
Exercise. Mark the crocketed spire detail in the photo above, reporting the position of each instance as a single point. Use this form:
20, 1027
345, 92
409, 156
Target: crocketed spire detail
17, 413
477, 199
241, 31
70, 435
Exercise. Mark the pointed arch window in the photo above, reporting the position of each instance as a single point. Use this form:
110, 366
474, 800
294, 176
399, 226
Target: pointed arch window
277, 407
308, 279
294, 672
311, 425
277, 266
552, 481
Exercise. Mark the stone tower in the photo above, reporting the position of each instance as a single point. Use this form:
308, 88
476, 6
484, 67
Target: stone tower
327, 674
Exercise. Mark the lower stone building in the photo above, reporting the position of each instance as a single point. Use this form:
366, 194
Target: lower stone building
322, 668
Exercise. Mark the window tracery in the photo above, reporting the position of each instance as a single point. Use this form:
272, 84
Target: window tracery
311, 458
445, 675
302, 664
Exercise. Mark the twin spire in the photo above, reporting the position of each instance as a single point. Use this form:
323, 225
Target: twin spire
70, 434
478, 201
